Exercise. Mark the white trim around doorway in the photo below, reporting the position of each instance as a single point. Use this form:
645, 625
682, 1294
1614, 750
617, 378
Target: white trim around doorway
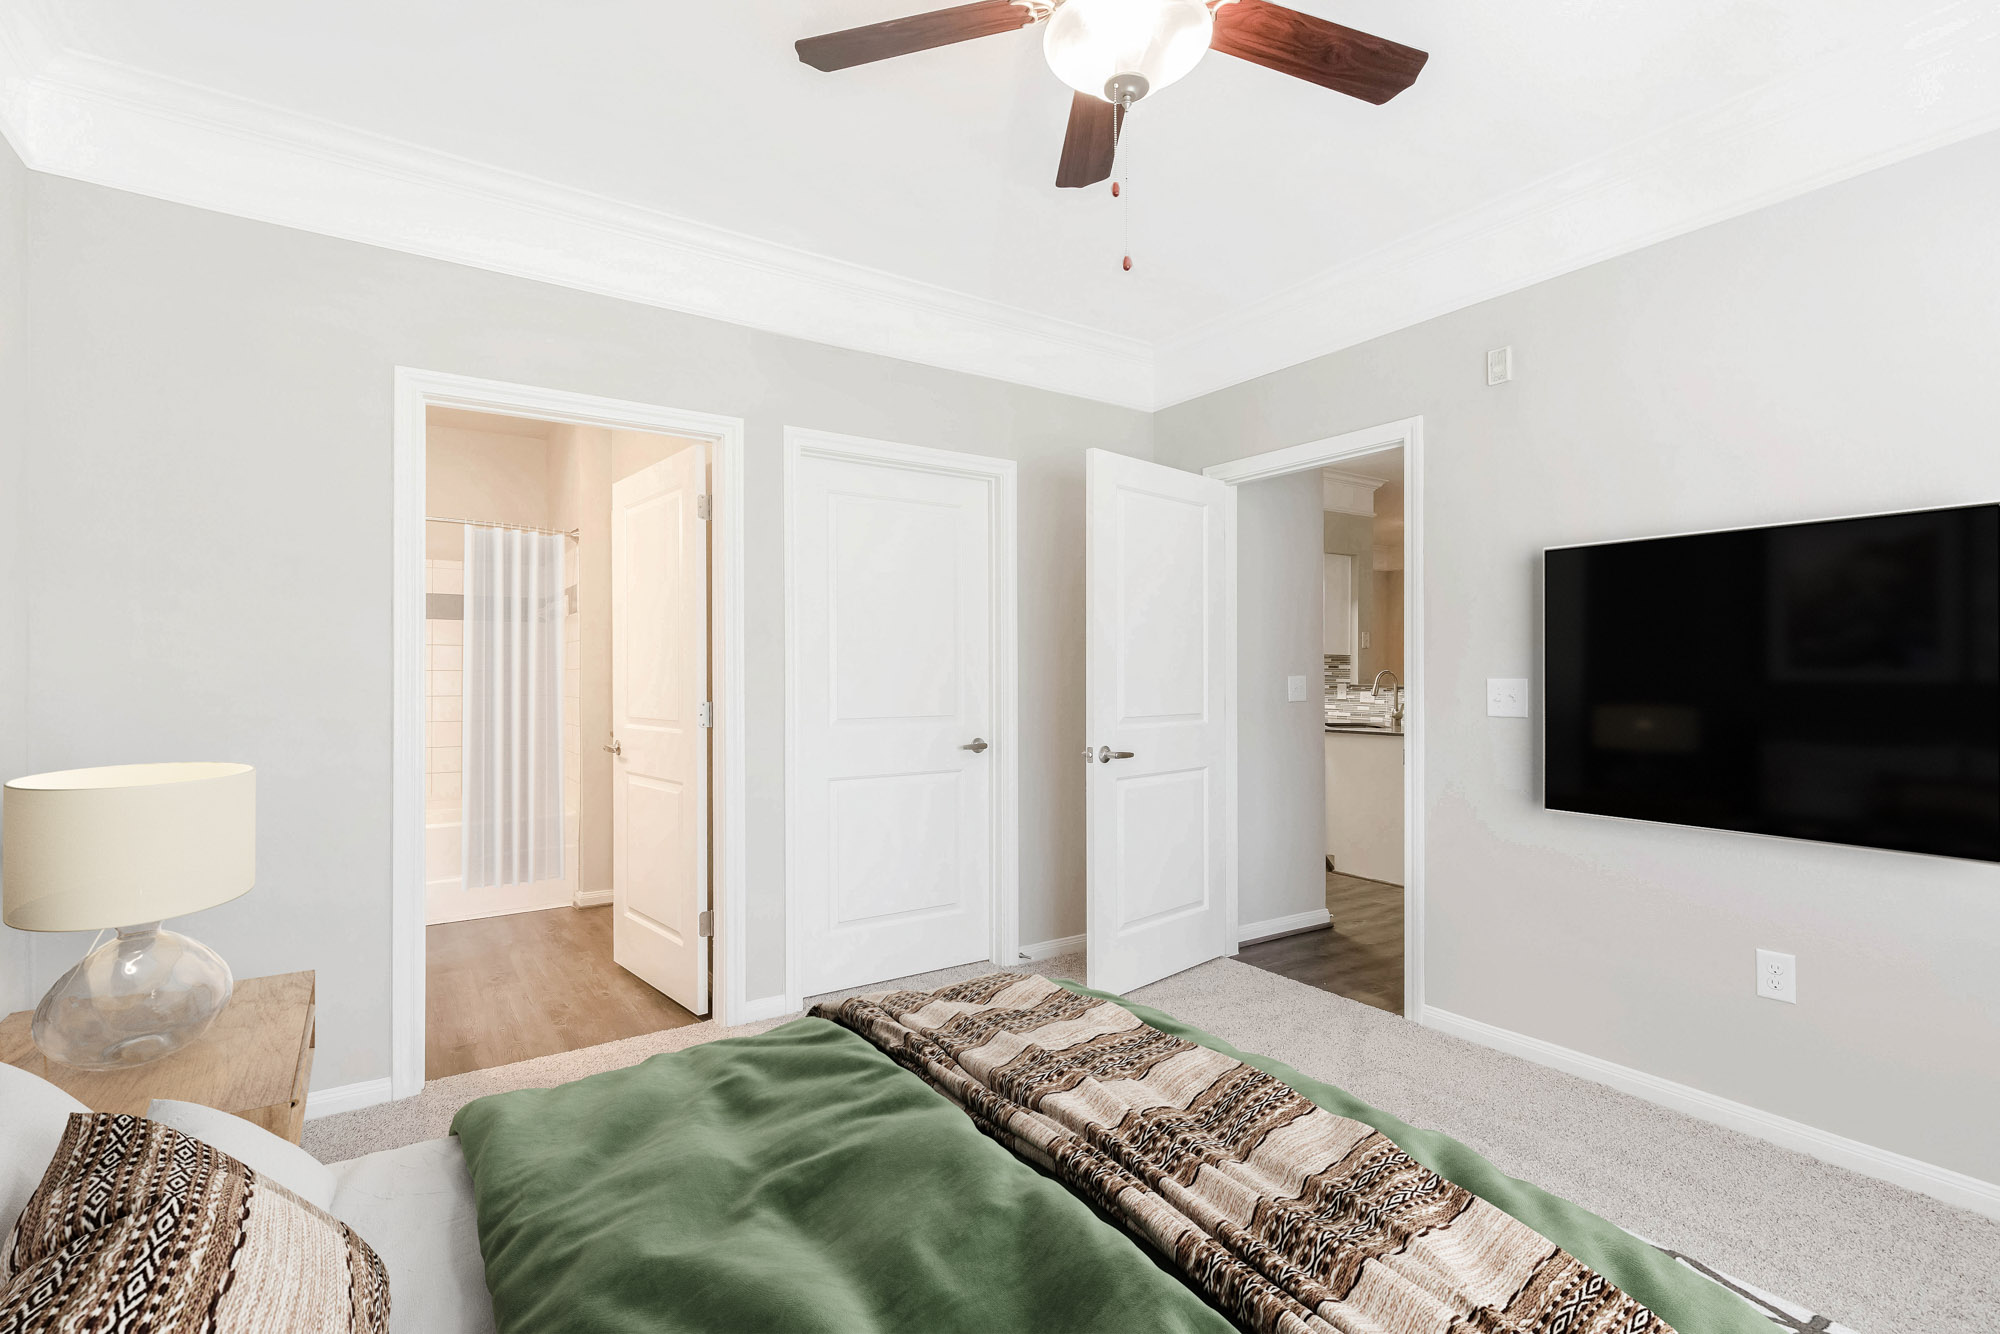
1000, 475
1408, 434
416, 391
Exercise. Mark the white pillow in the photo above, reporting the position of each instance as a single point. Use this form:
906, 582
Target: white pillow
255, 1147
33, 1114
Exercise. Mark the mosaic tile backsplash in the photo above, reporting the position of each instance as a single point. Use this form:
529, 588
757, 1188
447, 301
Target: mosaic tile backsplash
1359, 709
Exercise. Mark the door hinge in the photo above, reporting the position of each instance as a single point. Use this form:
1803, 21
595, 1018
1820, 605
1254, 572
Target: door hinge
704, 507
706, 714
704, 923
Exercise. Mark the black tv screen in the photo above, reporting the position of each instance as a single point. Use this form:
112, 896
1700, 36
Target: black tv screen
1837, 681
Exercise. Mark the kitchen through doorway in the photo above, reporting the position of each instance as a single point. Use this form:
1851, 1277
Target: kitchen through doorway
1362, 690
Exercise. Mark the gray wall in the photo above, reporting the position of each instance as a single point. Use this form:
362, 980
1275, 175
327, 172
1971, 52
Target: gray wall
1281, 746
209, 542
1831, 355
15, 993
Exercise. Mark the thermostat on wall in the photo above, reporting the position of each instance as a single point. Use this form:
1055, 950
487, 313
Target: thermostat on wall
1500, 365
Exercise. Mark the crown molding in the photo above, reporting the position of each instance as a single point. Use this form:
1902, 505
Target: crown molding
110, 124
1903, 89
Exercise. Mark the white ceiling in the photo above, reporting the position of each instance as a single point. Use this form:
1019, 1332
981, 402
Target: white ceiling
1270, 219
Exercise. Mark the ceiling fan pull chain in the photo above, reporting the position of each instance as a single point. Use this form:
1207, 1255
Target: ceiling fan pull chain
1124, 159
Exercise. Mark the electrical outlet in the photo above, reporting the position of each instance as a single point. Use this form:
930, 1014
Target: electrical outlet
1295, 689
1506, 697
1778, 976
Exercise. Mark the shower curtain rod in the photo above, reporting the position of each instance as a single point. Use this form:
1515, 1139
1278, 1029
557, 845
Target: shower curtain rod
521, 527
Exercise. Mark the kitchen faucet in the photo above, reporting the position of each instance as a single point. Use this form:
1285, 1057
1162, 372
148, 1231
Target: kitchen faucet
1395, 696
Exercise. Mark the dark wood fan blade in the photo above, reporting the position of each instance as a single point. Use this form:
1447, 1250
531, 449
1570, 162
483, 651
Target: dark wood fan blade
1090, 143
1373, 69
919, 32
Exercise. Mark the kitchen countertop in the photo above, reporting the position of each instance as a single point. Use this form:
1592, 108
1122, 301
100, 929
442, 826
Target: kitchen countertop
1365, 729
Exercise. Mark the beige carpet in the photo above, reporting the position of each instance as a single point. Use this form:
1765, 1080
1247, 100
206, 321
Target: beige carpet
1871, 1256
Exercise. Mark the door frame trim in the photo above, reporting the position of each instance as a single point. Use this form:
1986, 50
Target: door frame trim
1001, 475
1314, 454
415, 391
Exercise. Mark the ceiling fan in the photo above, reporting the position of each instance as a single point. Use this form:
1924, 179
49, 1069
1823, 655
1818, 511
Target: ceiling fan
1114, 52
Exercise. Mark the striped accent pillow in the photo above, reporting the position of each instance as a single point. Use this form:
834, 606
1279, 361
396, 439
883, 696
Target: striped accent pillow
139, 1227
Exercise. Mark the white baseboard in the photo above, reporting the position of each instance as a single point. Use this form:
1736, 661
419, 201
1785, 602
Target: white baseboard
591, 898
1250, 933
1956, 1188
345, 1098
1050, 949
765, 1007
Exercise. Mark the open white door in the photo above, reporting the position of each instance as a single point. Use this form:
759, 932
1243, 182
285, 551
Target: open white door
659, 691
1160, 653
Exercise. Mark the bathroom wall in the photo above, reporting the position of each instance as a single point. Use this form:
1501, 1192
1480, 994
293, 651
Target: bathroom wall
483, 466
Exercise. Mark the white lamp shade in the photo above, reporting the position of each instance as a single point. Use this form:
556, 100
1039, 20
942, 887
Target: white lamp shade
84, 849
1090, 42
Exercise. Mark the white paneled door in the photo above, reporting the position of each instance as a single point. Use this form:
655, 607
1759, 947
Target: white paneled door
894, 751
659, 690
1160, 649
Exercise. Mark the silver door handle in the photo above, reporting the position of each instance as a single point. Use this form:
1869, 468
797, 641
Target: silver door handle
1105, 755
976, 745
615, 747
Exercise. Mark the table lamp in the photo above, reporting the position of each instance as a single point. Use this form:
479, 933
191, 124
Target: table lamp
125, 847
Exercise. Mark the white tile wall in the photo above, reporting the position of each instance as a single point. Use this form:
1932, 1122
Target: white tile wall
444, 654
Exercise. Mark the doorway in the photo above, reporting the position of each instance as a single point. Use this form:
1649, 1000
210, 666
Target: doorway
567, 725
1362, 706
900, 766
1367, 941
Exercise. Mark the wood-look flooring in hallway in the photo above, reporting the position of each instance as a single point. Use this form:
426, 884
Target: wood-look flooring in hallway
506, 989
1360, 956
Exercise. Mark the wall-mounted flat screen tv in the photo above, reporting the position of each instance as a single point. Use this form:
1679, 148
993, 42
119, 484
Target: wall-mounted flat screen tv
1837, 681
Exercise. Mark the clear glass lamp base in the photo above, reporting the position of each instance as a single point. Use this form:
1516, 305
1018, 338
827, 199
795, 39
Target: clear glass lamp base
141, 995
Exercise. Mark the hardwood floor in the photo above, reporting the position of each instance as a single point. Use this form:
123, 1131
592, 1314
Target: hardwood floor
505, 989
1360, 956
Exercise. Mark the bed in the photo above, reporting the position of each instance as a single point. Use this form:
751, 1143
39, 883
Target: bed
837, 1173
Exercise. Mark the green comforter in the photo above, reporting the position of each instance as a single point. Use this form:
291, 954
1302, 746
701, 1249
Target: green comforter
801, 1181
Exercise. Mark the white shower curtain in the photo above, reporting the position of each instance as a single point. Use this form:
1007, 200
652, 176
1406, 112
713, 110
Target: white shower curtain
513, 683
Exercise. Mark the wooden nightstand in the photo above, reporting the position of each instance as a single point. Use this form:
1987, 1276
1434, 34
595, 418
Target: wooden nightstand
255, 1062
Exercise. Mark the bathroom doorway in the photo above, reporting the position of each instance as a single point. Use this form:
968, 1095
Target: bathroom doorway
524, 610
570, 724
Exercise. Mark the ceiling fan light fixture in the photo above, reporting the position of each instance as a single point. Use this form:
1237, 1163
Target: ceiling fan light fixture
1092, 43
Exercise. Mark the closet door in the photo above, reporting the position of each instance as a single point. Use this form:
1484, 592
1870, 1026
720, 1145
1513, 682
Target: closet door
893, 667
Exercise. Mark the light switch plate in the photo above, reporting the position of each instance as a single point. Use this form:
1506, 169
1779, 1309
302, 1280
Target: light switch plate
1506, 697
1295, 689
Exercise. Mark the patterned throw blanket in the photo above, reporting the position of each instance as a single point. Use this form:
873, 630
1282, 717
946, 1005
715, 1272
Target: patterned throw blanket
1290, 1218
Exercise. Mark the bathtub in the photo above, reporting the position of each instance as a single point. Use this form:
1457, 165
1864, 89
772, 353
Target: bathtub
443, 848
446, 898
